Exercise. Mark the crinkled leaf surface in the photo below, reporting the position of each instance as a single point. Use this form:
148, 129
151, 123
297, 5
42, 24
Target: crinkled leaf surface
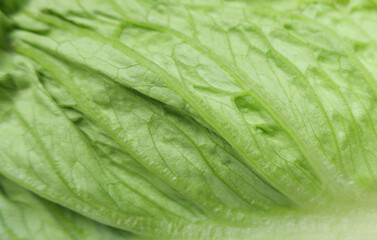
189, 120
26, 216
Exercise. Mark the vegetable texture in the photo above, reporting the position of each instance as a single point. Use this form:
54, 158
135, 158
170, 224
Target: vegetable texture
25, 216
188, 119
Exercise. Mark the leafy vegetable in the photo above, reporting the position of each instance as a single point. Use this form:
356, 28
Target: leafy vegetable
192, 120
26, 216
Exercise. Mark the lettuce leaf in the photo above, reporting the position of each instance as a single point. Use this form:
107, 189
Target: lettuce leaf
192, 120
24, 215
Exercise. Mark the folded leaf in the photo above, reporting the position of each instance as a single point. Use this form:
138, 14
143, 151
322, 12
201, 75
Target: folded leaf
192, 120
24, 215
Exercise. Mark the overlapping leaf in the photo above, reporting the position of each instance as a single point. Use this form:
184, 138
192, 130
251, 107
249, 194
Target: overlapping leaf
192, 120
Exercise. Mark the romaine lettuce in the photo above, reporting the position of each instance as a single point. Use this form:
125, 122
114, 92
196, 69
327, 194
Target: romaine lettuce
194, 120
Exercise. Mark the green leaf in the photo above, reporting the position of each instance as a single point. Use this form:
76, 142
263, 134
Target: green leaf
23, 215
224, 119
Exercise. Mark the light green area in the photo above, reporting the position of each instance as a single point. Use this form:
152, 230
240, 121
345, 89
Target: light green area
25, 216
195, 119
